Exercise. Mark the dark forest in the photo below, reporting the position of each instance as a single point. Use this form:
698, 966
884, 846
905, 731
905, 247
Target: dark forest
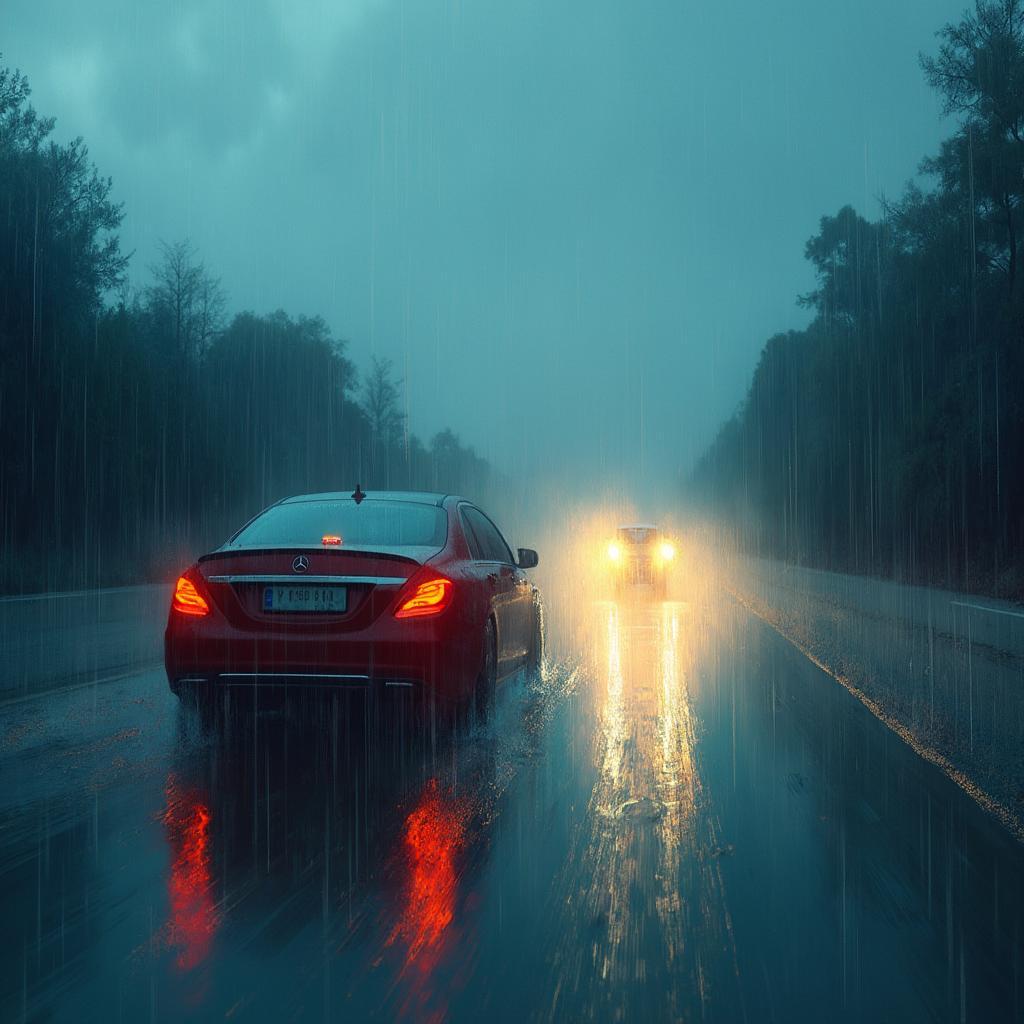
139, 425
887, 437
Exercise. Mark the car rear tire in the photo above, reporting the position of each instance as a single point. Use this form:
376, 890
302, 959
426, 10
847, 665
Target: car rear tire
209, 705
487, 680
199, 703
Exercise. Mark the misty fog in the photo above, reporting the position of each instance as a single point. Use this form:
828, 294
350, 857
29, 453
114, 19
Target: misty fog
512, 511
571, 227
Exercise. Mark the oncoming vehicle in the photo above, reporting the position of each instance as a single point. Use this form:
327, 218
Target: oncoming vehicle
641, 556
377, 590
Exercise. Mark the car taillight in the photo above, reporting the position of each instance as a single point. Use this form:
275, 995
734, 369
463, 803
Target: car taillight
187, 599
430, 597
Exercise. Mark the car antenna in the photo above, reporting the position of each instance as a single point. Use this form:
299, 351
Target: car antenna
357, 494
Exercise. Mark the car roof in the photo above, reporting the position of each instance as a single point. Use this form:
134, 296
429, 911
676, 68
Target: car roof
417, 497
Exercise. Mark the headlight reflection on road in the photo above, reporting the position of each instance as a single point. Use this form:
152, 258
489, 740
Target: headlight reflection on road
642, 803
678, 780
669, 685
614, 713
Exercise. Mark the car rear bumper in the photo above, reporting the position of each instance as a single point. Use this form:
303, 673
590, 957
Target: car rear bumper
199, 653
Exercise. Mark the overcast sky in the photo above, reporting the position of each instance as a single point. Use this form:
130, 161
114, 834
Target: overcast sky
572, 226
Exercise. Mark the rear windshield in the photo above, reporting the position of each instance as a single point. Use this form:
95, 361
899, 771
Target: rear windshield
372, 523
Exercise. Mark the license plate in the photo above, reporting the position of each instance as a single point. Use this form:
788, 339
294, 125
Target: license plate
305, 599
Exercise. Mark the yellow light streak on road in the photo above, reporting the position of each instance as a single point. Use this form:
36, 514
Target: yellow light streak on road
643, 819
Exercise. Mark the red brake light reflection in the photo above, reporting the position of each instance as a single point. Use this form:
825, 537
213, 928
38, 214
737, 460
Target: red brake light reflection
435, 832
330, 540
193, 919
187, 599
430, 598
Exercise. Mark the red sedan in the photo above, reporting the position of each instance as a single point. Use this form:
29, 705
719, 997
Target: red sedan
378, 590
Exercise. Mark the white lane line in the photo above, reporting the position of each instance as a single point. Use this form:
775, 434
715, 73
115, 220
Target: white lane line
985, 608
1009, 818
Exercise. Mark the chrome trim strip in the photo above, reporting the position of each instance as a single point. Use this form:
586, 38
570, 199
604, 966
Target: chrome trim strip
290, 675
398, 682
378, 581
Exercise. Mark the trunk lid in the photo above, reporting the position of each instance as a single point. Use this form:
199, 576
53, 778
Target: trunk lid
237, 578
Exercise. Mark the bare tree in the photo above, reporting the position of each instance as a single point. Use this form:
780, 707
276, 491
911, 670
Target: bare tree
185, 300
381, 405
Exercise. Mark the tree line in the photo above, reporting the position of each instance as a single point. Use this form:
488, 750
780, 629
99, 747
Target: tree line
888, 436
137, 428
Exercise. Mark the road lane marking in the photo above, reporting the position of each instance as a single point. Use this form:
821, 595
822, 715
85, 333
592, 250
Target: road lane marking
985, 608
1010, 821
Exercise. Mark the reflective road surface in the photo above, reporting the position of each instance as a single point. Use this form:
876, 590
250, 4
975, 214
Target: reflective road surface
684, 820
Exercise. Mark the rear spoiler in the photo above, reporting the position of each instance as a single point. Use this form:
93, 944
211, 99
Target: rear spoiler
409, 555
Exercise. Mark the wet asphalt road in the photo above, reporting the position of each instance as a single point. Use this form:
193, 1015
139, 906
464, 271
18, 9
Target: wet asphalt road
683, 820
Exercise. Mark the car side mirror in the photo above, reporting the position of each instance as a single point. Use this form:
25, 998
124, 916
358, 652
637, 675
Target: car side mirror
527, 558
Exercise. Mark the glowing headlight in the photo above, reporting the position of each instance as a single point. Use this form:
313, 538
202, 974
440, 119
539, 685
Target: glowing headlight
614, 552
667, 552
